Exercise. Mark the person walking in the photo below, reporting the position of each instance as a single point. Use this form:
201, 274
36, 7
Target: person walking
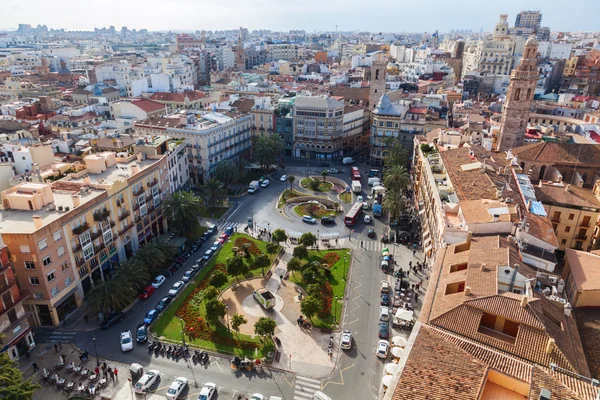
116, 372
111, 373
35, 367
56, 347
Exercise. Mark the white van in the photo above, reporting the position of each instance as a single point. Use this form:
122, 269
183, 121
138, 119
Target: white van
374, 181
347, 160
320, 396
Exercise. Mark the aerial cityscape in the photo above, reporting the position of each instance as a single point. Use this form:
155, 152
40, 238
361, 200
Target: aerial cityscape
297, 202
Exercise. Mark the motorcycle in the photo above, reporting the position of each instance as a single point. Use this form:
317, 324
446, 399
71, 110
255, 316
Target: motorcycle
205, 358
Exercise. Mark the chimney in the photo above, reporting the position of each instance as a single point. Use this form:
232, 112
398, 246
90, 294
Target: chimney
37, 221
76, 200
469, 234
550, 346
545, 394
139, 156
135, 169
527, 227
87, 180
468, 291
483, 267
524, 301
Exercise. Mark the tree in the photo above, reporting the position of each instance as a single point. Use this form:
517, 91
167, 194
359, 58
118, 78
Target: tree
151, 256
262, 261
212, 190
279, 236
236, 266
294, 264
215, 309
396, 178
227, 172
314, 185
237, 320
272, 248
183, 210
394, 153
166, 248
307, 239
218, 279
393, 202
210, 293
265, 327
310, 306
324, 174
291, 179
113, 295
300, 252
267, 149
134, 273
12, 384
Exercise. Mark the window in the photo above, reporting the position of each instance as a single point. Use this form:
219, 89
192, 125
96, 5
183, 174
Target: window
563, 242
57, 236
458, 267
51, 276
571, 216
498, 327
29, 265
47, 261
455, 287
34, 280
68, 281
38, 296
88, 252
85, 239
55, 291
64, 266
24, 249
567, 229
553, 319
60, 251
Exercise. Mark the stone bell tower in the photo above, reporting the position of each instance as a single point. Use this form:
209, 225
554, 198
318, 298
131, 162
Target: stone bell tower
240, 55
378, 73
519, 99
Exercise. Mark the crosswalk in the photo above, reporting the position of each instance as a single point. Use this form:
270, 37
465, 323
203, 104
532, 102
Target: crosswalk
61, 336
367, 244
305, 388
287, 170
224, 225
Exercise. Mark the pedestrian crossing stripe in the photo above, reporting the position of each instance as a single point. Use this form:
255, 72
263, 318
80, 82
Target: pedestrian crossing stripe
305, 388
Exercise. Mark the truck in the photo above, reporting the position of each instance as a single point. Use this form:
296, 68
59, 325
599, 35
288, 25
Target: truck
356, 187
347, 160
253, 186
264, 297
377, 209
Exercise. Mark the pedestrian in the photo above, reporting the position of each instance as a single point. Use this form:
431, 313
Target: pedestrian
407, 272
116, 373
97, 371
59, 345
80, 357
361, 243
111, 373
86, 318
85, 355
416, 297
410, 264
414, 252
413, 287
35, 367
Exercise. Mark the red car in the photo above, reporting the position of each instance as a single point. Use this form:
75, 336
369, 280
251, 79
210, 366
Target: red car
147, 292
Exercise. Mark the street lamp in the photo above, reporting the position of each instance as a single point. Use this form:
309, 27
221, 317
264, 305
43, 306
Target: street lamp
344, 267
96, 351
335, 310
182, 335
307, 170
227, 314
318, 238
252, 214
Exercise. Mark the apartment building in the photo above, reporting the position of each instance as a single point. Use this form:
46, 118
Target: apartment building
17, 338
282, 51
23, 158
210, 137
177, 161
318, 128
354, 123
263, 117
66, 235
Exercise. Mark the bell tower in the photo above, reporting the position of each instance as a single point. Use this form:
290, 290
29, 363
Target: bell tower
378, 74
519, 99
240, 56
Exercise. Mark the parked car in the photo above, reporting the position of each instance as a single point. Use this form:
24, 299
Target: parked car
163, 303
147, 292
176, 288
384, 330
204, 236
215, 246
384, 314
224, 236
309, 220
146, 381
188, 275
126, 341
229, 230
257, 396
112, 320
208, 391
141, 333
383, 346
346, 342
385, 300
158, 281
151, 316
283, 178
212, 229
371, 233
359, 199
327, 221
367, 219
265, 183
207, 254
384, 287
176, 388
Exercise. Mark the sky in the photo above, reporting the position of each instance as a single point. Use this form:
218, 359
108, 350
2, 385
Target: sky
310, 15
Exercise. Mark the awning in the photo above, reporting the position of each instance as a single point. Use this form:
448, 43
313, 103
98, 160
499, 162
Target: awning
405, 315
329, 235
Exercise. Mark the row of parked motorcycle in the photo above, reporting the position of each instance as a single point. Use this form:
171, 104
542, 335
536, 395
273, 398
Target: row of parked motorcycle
176, 352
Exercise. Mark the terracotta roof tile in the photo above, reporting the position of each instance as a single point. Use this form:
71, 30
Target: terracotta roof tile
588, 325
560, 153
148, 105
585, 269
569, 194
177, 97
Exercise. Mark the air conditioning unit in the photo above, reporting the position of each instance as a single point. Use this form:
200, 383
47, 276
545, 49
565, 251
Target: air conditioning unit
553, 280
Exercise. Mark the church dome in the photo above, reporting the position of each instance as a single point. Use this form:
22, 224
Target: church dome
63, 70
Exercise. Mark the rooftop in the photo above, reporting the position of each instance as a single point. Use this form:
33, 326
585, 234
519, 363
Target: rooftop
567, 195
317, 102
560, 153
585, 268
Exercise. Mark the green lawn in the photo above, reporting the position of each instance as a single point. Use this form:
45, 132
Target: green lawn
215, 212
336, 280
169, 326
323, 186
346, 197
318, 212
286, 195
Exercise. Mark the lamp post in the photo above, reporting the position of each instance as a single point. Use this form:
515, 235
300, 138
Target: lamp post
96, 351
318, 238
252, 216
182, 335
335, 310
306, 170
227, 314
344, 267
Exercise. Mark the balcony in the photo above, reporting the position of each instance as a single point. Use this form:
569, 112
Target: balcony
581, 237
6, 284
141, 190
585, 224
555, 219
98, 248
9, 304
76, 247
79, 262
153, 182
80, 229
125, 229
95, 235
101, 215
136, 205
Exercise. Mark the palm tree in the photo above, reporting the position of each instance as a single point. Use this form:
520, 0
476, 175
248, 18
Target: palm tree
183, 210
396, 178
151, 257
110, 296
212, 189
394, 203
135, 273
165, 247
227, 172
291, 180
324, 174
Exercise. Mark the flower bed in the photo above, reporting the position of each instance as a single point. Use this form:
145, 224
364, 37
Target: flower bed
331, 258
254, 250
326, 300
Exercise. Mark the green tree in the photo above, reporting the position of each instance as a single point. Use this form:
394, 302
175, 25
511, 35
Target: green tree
314, 289
152, 257
300, 252
294, 264
309, 275
218, 279
210, 293
267, 149
291, 179
314, 185
227, 172
183, 211
324, 174
272, 248
262, 261
307, 239
279, 236
107, 296
166, 248
236, 266
215, 310
394, 153
237, 320
310, 306
265, 327
212, 190
134, 273
396, 178
393, 202
12, 384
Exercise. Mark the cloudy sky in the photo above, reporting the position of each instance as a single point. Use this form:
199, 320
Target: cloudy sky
310, 15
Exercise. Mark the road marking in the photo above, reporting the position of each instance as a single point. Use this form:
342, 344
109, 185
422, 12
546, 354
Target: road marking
218, 365
288, 382
305, 388
341, 378
238, 206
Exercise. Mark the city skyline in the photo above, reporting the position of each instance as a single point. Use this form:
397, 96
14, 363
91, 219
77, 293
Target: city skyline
309, 15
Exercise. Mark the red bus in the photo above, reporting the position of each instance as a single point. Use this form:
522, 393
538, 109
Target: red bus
353, 214
355, 174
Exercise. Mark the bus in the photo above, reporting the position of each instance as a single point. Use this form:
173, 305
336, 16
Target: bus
353, 214
355, 174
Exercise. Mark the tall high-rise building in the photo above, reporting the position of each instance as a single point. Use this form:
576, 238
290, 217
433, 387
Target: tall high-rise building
519, 98
528, 19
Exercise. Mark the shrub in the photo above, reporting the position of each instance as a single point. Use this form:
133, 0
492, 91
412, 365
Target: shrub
331, 258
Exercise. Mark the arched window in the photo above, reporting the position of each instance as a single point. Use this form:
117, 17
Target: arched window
376, 74
517, 94
522, 165
542, 172
528, 97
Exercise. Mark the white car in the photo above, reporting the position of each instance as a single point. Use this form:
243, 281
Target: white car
158, 281
383, 346
208, 391
176, 288
176, 387
265, 183
283, 178
359, 199
188, 275
146, 381
346, 342
367, 219
126, 341
257, 396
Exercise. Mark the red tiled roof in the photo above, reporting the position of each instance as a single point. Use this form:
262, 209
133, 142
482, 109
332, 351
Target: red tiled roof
177, 97
148, 105
414, 110
560, 153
